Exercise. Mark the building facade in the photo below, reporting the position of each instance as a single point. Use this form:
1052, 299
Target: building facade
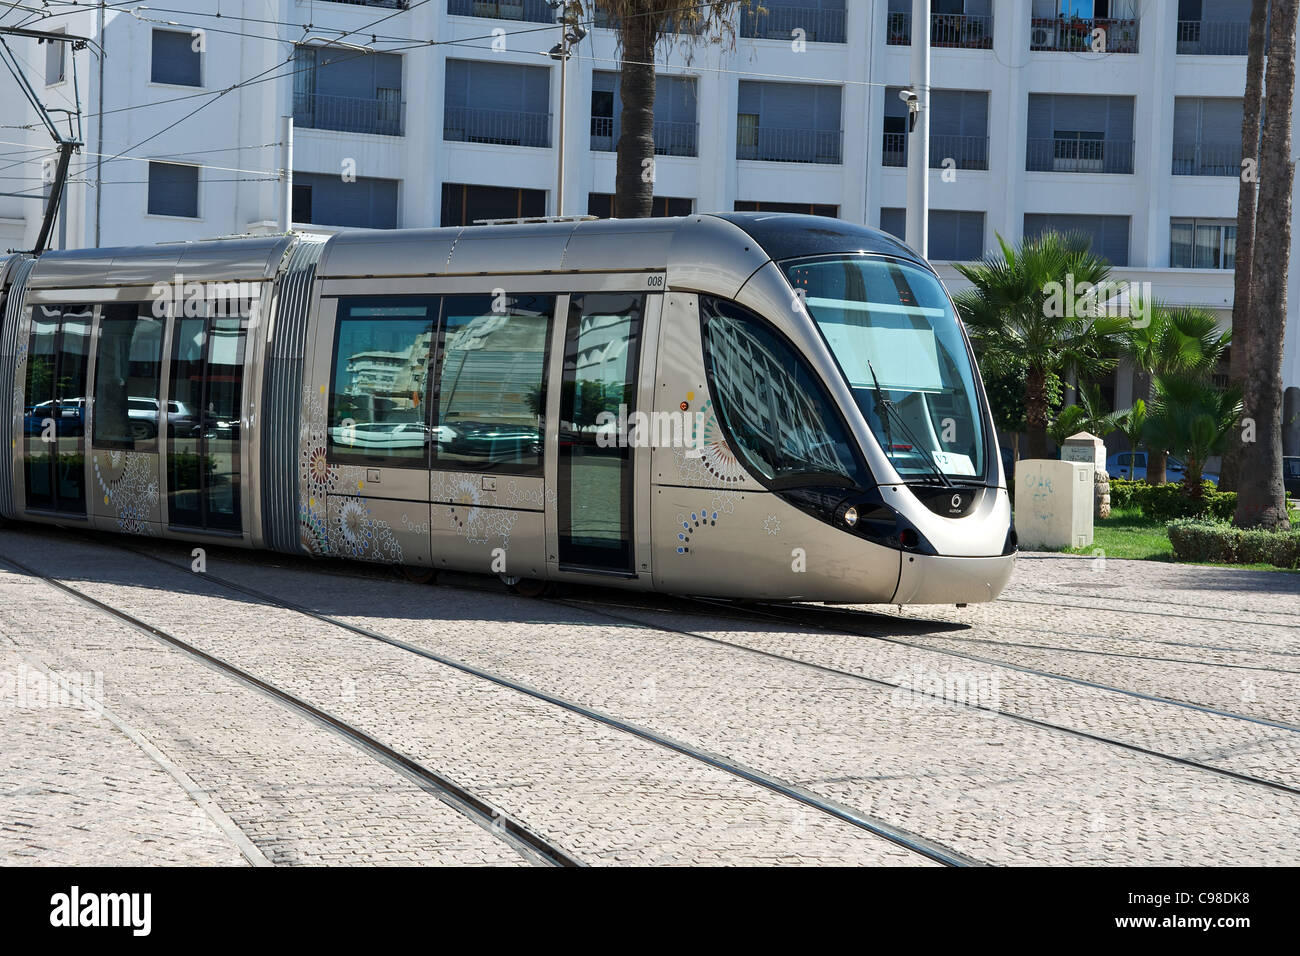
448, 112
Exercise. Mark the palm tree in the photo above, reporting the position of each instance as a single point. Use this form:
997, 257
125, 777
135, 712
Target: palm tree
1261, 498
1195, 419
641, 24
1133, 423
1252, 105
1018, 315
1090, 415
1183, 340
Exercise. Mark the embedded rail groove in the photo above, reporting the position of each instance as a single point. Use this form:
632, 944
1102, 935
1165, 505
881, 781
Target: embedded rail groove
526, 842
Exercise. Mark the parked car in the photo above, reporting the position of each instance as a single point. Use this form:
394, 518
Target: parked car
1291, 475
70, 418
1117, 466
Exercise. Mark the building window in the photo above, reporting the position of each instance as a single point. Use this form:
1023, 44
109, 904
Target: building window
789, 122
377, 399
499, 103
326, 200
807, 208
1202, 244
1207, 136
338, 90
675, 126
535, 11
55, 60
465, 205
1079, 134
1108, 234
175, 59
821, 20
491, 396
955, 235
173, 190
959, 129
602, 206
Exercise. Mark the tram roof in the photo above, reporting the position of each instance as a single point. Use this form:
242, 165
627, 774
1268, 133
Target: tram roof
706, 247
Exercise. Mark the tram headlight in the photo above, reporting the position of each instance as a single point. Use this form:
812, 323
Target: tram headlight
851, 516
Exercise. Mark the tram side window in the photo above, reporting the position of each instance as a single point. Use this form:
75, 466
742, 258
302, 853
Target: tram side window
128, 366
772, 406
491, 389
378, 389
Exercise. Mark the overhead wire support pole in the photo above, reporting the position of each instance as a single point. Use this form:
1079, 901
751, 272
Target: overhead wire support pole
571, 33
917, 234
67, 144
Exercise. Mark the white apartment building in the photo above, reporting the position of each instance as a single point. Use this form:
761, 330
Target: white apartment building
444, 112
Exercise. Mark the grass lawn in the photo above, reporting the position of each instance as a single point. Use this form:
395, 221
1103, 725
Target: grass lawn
1128, 534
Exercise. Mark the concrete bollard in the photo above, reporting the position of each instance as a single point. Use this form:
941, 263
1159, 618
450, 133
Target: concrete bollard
1053, 506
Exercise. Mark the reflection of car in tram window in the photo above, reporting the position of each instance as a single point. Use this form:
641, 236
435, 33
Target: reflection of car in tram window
70, 416
382, 435
491, 441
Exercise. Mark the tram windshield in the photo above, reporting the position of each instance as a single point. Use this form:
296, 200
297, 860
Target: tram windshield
899, 345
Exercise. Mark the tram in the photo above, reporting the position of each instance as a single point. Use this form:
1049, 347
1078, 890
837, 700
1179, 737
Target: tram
750, 406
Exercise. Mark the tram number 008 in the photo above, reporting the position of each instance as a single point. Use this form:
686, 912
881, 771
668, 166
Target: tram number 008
654, 282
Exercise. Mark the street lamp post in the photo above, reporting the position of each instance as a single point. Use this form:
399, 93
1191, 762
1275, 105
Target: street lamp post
571, 33
918, 148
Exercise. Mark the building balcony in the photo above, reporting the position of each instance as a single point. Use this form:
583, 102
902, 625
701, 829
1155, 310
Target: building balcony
1211, 38
529, 11
780, 20
1197, 160
1075, 34
969, 152
946, 30
1079, 155
348, 114
671, 139
776, 145
498, 127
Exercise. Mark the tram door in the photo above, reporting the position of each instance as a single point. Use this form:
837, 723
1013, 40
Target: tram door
55, 413
203, 423
602, 347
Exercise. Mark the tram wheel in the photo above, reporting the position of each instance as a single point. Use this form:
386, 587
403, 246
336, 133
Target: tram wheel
528, 587
416, 574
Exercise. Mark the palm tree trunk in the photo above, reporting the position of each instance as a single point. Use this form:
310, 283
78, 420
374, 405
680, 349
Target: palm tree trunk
1036, 412
634, 179
1252, 104
1156, 461
1261, 500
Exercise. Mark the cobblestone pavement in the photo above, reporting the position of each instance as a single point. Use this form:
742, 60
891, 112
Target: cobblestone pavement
1139, 641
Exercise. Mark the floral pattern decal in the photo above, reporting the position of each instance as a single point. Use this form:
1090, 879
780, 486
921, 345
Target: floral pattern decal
133, 495
352, 531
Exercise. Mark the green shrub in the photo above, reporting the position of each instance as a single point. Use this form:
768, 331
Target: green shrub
1222, 543
1167, 502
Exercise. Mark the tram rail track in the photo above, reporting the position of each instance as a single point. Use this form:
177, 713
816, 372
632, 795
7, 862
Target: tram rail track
931, 849
528, 843
1019, 718
786, 615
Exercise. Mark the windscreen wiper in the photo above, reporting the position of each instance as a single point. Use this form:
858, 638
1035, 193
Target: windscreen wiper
889, 410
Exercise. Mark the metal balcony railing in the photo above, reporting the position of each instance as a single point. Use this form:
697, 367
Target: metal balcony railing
388, 4
1075, 35
1213, 38
348, 114
946, 30
781, 20
501, 127
1195, 159
671, 139
776, 145
1079, 155
529, 11
969, 152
